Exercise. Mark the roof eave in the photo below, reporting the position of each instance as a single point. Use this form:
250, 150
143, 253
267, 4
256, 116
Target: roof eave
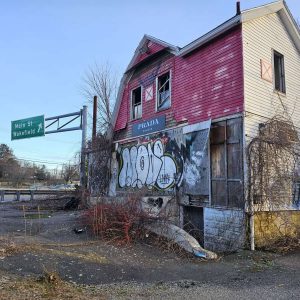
290, 23
229, 24
261, 11
283, 11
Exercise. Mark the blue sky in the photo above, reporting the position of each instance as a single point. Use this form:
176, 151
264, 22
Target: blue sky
47, 46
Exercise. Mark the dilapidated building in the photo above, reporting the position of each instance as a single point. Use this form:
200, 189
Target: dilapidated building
185, 117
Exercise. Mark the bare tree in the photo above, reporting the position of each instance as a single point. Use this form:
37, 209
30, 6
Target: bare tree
70, 172
101, 81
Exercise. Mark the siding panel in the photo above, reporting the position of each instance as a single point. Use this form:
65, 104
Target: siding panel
260, 36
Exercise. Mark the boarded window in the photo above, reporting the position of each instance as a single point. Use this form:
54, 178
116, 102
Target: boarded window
226, 163
218, 161
266, 70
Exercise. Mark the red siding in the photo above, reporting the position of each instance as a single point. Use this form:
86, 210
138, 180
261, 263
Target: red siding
153, 48
209, 83
206, 84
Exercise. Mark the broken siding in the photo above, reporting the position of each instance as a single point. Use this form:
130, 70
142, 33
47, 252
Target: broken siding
260, 37
122, 118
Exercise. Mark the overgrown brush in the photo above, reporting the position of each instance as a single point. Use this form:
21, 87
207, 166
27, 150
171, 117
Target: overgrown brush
117, 220
284, 244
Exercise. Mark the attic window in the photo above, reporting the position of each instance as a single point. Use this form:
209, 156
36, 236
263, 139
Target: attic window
163, 91
279, 74
136, 103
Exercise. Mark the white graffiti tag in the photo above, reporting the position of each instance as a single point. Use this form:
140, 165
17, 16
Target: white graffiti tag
147, 166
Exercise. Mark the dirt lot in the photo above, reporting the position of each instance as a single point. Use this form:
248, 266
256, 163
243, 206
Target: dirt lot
42, 257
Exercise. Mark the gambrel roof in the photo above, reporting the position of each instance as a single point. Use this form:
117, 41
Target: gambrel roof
147, 47
143, 51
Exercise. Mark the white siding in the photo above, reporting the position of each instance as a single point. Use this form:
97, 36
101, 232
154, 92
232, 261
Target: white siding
260, 37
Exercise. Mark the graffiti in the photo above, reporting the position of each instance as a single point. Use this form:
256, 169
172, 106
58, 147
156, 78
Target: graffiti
156, 164
196, 167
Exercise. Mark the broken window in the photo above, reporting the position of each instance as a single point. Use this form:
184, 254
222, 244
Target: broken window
279, 74
226, 163
136, 103
163, 91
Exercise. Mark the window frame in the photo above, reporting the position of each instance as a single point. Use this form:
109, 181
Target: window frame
282, 78
226, 179
157, 109
131, 103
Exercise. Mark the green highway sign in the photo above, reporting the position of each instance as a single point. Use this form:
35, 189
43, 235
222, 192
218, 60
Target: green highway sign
28, 128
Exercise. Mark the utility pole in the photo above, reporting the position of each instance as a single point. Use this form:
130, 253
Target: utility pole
94, 120
83, 147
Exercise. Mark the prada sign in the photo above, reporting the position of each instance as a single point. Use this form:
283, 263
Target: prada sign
149, 126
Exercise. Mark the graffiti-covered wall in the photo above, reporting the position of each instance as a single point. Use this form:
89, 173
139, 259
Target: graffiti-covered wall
164, 160
155, 161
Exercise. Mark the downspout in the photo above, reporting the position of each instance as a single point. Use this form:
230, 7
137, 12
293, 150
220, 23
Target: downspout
251, 204
252, 231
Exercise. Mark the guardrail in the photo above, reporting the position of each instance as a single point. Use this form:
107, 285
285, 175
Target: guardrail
15, 195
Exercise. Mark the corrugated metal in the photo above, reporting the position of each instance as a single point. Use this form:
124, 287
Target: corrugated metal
260, 37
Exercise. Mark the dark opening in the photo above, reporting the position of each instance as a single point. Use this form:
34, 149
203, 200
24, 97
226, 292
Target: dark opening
137, 103
164, 100
279, 72
193, 222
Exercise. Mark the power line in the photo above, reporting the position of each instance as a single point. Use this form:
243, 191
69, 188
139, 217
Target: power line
42, 162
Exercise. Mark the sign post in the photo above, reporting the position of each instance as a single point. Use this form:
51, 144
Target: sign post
35, 126
28, 128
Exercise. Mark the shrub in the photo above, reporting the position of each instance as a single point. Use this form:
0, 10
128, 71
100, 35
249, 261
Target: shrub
117, 220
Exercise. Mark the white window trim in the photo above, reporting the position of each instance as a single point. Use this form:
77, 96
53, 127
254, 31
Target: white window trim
131, 104
274, 78
156, 91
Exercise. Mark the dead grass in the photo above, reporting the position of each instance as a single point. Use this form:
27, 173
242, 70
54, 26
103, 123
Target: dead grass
284, 244
8, 247
49, 286
90, 257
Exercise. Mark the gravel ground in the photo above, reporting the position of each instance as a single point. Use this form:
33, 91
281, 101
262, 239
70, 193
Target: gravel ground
139, 271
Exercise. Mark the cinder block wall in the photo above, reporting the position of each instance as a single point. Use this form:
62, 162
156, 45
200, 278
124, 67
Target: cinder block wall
224, 229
